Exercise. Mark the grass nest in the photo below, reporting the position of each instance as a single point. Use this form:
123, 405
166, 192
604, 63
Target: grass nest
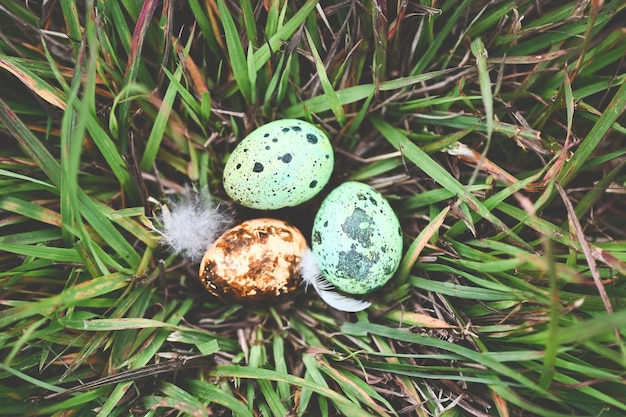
494, 129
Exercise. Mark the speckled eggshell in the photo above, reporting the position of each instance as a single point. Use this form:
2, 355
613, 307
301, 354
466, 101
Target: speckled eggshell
254, 261
356, 238
281, 164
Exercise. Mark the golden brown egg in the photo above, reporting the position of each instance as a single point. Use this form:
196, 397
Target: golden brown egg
254, 261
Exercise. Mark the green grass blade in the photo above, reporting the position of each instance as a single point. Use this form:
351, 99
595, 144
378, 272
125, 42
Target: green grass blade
354, 94
480, 53
329, 92
133, 63
595, 136
72, 295
263, 54
160, 124
437, 173
236, 53
218, 396
361, 328
346, 406
31, 145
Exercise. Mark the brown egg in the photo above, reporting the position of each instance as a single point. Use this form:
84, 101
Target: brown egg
254, 261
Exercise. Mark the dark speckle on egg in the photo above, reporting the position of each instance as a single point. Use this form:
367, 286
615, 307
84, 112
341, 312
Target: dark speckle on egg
357, 227
355, 265
278, 171
361, 250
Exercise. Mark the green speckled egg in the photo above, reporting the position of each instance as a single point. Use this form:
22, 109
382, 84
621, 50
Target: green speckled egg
356, 238
281, 164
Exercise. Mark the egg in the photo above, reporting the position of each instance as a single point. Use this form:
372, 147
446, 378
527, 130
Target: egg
281, 164
254, 261
356, 238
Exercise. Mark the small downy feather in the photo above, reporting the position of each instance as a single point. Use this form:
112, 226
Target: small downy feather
190, 224
312, 276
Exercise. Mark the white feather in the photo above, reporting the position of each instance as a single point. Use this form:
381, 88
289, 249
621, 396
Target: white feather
191, 224
312, 276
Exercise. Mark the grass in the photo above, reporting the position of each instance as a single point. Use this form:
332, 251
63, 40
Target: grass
495, 129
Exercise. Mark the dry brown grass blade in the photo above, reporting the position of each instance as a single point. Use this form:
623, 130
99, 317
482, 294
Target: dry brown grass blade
591, 262
37, 87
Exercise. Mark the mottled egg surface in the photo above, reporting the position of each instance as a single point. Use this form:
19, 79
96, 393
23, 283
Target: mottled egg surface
254, 261
356, 238
281, 164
